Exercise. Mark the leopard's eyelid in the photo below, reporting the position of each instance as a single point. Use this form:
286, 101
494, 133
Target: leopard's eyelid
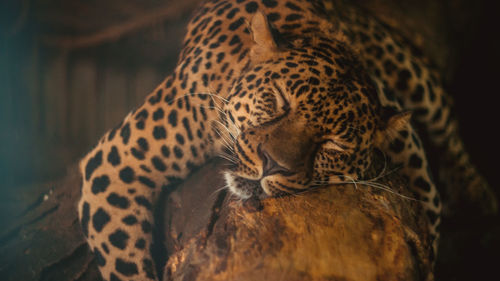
332, 144
282, 95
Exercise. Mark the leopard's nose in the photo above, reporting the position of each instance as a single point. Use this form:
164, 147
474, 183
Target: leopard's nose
269, 165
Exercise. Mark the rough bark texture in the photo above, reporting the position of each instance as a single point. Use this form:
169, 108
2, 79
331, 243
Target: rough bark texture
333, 233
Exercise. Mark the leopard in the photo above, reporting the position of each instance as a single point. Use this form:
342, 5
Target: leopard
295, 95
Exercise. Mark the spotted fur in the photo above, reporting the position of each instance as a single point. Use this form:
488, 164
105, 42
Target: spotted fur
296, 94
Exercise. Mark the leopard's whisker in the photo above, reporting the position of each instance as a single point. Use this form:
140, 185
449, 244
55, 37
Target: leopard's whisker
214, 93
218, 190
221, 110
224, 141
228, 120
216, 108
217, 122
367, 183
352, 180
227, 129
227, 158
233, 157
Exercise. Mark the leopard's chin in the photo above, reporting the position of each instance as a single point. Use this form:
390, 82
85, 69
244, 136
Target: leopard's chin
243, 188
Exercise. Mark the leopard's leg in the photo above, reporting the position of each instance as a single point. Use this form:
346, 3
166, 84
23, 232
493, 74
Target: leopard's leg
405, 150
464, 185
419, 90
413, 83
157, 144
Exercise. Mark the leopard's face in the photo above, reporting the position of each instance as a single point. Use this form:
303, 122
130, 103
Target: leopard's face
304, 118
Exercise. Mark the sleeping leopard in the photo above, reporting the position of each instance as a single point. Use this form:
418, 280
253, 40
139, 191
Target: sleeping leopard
295, 94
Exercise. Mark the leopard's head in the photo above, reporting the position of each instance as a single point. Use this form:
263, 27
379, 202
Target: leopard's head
302, 115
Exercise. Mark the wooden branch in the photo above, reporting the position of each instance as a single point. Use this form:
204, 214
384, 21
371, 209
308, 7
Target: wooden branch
170, 12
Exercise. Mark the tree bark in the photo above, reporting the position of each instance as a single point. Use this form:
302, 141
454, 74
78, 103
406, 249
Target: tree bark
341, 232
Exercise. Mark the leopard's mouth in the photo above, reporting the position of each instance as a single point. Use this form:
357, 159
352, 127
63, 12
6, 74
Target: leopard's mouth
242, 187
245, 188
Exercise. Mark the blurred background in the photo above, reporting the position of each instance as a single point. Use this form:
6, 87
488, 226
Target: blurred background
70, 70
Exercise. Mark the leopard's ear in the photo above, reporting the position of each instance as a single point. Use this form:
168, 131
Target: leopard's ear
264, 46
391, 124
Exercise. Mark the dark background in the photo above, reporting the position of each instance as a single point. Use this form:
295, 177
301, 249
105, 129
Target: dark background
473, 83
474, 86
57, 96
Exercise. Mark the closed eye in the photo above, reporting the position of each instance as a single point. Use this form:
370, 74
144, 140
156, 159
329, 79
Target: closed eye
334, 146
282, 101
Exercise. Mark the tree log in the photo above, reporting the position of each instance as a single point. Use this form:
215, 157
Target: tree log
341, 232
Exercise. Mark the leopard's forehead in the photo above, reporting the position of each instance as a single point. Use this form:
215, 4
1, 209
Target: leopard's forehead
306, 70
322, 85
